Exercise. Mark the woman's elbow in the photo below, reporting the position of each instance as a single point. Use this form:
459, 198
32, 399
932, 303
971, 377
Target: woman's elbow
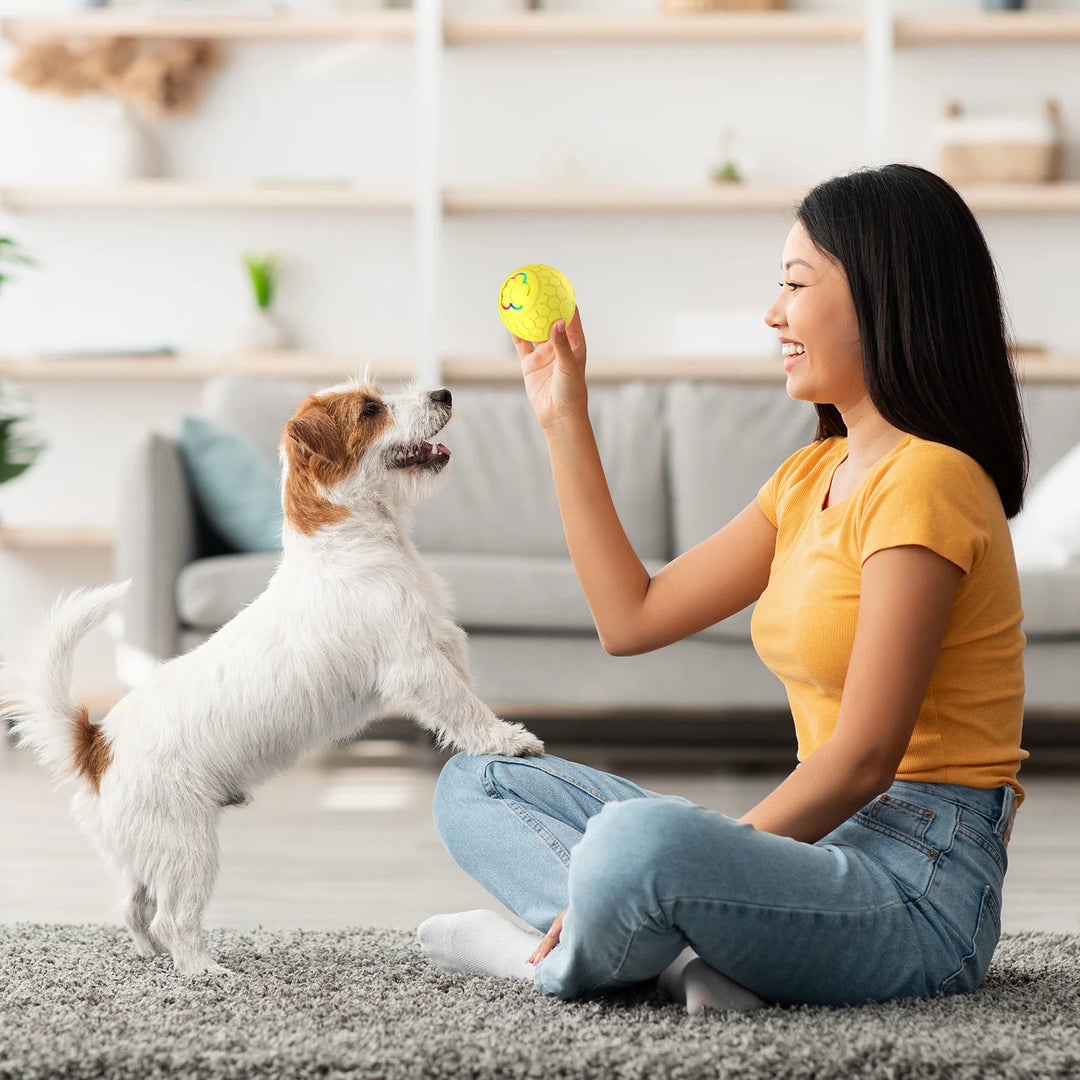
619, 644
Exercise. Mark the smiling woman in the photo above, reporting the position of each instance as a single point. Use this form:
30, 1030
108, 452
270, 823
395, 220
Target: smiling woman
888, 604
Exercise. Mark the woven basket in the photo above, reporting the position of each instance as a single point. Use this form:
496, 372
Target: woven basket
722, 5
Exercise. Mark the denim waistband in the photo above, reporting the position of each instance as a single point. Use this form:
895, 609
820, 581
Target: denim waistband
996, 805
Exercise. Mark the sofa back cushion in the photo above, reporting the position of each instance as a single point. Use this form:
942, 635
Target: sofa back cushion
726, 440
498, 496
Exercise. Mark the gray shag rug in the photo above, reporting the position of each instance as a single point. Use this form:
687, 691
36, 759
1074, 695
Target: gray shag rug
76, 1002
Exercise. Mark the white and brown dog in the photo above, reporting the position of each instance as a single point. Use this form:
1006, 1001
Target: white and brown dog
351, 624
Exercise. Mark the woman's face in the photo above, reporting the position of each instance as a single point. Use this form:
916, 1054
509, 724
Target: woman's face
819, 331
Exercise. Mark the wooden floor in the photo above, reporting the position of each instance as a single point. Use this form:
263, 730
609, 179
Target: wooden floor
348, 841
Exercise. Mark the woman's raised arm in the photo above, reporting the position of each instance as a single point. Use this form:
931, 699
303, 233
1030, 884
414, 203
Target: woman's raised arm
633, 613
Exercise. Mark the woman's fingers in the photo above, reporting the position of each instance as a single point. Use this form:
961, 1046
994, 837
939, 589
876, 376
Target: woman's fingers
549, 940
522, 346
569, 341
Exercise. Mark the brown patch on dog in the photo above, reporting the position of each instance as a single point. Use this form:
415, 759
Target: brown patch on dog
92, 753
324, 443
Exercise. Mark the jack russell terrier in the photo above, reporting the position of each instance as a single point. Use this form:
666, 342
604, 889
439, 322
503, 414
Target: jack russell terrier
351, 624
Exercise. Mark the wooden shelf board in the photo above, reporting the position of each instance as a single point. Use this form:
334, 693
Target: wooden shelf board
1062, 196
54, 537
1043, 368
466, 200
183, 195
297, 365
283, 365
391, 25
544, 28
997, 27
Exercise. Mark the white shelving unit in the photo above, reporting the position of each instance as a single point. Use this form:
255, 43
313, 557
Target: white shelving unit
878, 32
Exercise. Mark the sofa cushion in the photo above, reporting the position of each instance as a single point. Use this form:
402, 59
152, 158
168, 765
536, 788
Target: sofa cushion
529, 594
255, 409
1051, 600
1046, 532
727, 439
234, 483
209, 592
498, 496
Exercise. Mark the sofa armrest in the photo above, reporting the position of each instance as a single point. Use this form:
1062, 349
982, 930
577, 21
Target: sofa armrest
157, 535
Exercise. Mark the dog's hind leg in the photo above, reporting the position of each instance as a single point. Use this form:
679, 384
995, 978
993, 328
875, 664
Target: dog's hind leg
138, 914
184, 877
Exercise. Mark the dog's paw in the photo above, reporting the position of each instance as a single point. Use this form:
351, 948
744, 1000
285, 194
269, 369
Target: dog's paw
202, 966
514, 740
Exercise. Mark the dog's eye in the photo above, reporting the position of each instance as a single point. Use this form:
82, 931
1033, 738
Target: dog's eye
372, 408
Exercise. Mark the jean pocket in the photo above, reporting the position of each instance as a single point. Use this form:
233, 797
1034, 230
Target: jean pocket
911, 840
981, 947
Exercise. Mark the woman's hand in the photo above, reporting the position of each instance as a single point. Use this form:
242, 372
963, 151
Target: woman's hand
554, 373
550, 939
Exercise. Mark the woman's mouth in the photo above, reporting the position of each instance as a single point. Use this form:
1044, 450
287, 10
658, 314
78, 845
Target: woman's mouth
791, 351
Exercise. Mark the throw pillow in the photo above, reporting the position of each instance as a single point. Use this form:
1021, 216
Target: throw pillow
1046, 533
237, 488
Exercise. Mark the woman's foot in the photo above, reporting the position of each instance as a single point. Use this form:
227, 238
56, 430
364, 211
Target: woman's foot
690, 981
478, 943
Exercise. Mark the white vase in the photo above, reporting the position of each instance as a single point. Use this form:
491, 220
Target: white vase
89, 140
263, 331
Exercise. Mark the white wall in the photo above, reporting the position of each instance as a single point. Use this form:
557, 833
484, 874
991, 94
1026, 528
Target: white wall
612, 114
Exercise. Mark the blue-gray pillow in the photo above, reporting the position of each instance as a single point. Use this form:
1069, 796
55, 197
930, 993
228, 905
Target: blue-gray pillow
237, 488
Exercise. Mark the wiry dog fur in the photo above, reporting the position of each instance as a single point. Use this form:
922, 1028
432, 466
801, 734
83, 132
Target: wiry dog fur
351, 624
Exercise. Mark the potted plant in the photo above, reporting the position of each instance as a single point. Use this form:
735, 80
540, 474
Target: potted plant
18, 450
264, 330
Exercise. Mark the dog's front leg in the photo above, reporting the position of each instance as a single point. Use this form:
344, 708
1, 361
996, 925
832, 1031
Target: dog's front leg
437, 690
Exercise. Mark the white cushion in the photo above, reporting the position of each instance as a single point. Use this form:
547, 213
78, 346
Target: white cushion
1046, 533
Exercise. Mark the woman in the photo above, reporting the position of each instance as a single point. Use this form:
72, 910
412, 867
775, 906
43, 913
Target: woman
887, 603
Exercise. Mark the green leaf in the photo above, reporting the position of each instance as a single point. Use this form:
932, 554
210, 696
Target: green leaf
11, 469
261, 270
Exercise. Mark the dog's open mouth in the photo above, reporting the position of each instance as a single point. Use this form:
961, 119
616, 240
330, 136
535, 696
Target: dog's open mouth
421, 455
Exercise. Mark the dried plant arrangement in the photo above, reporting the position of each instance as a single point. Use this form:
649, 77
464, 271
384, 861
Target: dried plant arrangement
160, 79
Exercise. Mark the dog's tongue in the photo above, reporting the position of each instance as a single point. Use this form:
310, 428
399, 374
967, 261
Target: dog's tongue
440, 449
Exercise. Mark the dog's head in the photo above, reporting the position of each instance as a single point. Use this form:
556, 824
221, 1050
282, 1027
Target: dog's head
353, 446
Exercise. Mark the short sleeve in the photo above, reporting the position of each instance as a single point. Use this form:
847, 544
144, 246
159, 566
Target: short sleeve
931, 496
794, 469
767, 498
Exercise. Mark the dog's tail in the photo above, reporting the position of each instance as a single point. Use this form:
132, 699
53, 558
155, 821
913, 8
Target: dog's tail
37, 698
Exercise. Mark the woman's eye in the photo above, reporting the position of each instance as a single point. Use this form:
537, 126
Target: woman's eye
793, 285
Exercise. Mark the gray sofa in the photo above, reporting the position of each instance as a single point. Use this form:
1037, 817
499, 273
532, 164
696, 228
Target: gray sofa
681, 458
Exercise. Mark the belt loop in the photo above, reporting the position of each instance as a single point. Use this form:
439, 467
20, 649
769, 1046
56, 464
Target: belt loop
1004, 825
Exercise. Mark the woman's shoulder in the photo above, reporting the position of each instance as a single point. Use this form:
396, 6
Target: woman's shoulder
924, 462
808, 459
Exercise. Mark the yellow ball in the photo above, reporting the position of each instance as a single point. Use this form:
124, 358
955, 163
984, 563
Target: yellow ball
534, 297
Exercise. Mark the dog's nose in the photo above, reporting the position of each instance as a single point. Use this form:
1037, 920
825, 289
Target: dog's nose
443, 396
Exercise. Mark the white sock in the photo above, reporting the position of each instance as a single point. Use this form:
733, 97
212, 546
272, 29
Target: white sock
478, 943
689, 980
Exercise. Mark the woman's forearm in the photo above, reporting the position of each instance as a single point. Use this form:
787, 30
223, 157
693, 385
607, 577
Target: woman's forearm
612, 576
822, 793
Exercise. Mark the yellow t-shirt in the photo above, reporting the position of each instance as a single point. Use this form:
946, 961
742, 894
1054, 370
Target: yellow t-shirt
922, 493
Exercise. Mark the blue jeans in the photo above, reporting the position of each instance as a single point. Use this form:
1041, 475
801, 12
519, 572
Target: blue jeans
901, 900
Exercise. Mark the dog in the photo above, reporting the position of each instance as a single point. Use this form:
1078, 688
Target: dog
351, 624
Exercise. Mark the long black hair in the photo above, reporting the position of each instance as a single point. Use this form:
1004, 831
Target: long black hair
933, 328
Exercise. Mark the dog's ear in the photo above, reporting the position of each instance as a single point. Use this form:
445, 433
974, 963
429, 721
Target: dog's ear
314, 441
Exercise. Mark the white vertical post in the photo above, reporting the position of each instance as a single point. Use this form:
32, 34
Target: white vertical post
878, 57
427, 188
